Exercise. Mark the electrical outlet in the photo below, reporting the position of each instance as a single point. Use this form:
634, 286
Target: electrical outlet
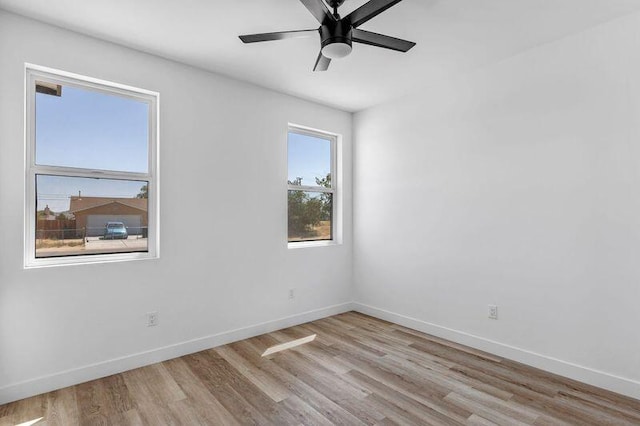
493, 312
152, 319
292, 293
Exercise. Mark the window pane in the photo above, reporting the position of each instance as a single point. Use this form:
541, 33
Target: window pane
309, 160
93, 130
310, 216
80, 216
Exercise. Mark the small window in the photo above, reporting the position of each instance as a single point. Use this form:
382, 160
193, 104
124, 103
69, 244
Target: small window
91, 169
311, 186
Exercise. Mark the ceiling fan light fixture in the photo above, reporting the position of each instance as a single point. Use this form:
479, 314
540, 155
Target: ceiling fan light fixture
335, 40
336, 32
336, 50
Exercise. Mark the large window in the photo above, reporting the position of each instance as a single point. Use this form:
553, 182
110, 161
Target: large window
91, 170
311, 186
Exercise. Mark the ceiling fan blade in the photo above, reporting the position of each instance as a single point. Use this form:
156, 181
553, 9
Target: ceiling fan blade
380, 40
319, 9
322, 63
369, 10
253, 38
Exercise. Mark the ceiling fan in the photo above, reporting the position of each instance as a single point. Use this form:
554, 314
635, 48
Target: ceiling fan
337, 33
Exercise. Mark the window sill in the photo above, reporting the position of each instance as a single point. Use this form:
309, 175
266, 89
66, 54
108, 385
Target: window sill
306, 244
86, 260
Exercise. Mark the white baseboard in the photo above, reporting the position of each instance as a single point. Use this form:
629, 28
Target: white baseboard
74, 376
86, 373
580, 373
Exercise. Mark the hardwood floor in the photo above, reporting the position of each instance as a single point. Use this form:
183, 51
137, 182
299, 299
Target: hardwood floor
358, 370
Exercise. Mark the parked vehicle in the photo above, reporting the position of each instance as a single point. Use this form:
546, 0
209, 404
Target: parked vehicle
115, 230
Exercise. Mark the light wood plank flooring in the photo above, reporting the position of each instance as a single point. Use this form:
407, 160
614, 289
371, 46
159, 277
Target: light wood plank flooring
358, 370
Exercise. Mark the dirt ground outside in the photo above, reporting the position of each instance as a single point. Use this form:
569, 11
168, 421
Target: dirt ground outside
323, 232
49, 248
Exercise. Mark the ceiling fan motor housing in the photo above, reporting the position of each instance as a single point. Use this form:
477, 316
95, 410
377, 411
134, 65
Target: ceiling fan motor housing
336, 39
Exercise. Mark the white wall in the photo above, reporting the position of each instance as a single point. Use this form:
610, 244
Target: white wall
223, 167
518, 185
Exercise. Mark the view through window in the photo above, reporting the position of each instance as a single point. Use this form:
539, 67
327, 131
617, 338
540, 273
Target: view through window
91, 169
78, 216
311, 186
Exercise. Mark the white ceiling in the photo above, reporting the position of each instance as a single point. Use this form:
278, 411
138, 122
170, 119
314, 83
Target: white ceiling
452, 36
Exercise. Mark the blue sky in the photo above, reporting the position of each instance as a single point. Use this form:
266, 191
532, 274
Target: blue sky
309, 157
93, 130
89, 129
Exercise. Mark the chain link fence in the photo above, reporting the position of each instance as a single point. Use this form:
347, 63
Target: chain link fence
72, 237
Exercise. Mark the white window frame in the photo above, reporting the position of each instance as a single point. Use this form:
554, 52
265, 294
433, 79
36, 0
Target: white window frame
336, 190
35, 73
